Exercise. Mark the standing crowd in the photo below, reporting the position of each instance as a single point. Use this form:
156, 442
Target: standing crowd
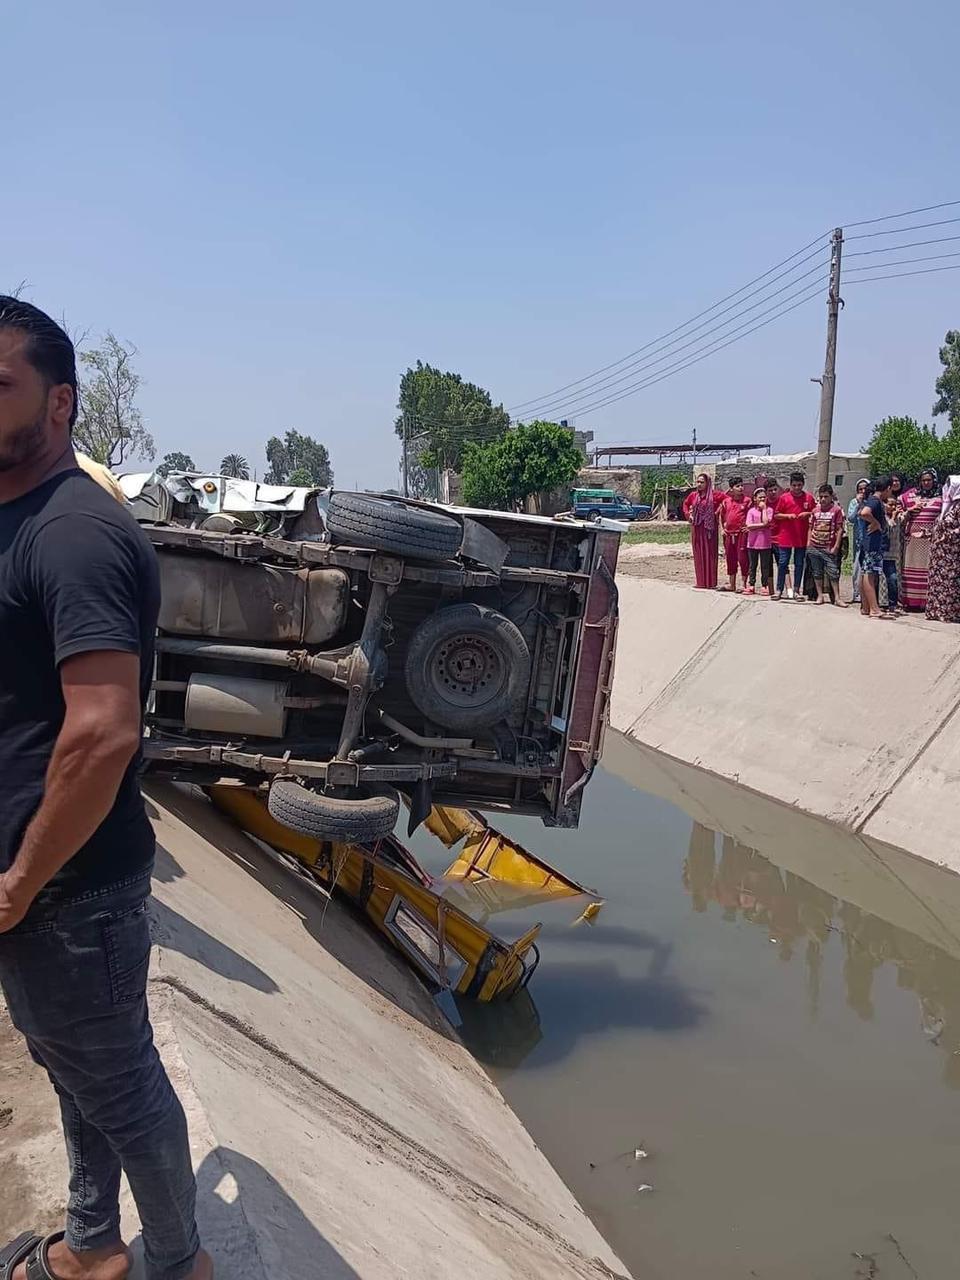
906, 535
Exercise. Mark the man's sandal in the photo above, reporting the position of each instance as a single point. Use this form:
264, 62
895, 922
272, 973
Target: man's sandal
31, 1249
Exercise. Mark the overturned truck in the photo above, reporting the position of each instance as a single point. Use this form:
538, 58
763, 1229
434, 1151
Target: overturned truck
339, 649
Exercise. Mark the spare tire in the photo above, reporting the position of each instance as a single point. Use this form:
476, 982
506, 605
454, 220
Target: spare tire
386, 524
467, 667
312, 813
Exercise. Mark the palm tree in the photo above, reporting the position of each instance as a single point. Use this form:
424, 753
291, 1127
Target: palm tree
235, 466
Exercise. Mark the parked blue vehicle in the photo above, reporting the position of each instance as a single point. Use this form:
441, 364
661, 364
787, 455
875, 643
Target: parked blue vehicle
596, 504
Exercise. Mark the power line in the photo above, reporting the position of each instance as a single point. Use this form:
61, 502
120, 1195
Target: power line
610, 383
908, 213
686, 364
595, 384
605, 384
670, 332
895, 248
809, 292
898, 275
902, 262
899, 231
696, 360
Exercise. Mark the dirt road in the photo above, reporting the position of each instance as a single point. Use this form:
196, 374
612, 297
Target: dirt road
674, 563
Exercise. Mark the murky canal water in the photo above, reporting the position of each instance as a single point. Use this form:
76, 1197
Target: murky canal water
788, 1060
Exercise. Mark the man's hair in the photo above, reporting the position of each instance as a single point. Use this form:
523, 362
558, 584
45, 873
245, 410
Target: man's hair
881, 483
735, 480
49, 349
772, 484
826, 489
797, 475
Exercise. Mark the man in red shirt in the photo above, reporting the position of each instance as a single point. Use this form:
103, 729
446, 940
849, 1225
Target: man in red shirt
791, 527
733, 515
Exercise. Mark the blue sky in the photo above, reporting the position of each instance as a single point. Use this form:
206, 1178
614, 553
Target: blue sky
283, 206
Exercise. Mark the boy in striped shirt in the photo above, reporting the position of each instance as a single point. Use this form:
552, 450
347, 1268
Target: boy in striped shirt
823, 546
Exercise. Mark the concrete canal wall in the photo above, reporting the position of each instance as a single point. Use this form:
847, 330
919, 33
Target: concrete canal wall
853, 721
339, 1128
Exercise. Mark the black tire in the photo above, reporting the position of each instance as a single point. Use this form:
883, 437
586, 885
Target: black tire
331, 818
467, 667
360, 520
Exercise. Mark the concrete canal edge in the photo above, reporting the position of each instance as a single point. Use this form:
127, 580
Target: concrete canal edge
854, 721
339, 1128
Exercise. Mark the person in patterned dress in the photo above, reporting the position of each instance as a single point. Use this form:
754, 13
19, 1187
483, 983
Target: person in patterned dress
943, 586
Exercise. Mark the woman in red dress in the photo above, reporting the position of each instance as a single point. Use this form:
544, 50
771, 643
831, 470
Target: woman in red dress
700, 508
922, 507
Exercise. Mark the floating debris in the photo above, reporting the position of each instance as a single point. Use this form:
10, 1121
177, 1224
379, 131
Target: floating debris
644, 1186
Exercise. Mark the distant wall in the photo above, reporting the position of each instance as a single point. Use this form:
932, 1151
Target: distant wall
845, 469
625, 480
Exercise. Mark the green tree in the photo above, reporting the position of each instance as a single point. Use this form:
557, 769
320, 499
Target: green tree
948, 384
298, 455
109, 425
902, 444
449, 412
176, 462
532, 458
235, 466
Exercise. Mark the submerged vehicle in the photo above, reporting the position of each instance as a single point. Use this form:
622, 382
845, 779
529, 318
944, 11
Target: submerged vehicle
444, 925
333, 649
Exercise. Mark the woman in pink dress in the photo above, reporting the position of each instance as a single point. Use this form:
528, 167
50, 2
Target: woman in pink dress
701, 508
922, 507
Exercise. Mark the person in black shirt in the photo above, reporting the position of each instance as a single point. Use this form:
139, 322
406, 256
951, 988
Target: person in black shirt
79, 596
872, 546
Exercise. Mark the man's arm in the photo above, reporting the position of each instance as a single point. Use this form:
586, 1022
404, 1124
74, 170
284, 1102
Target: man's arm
838, 535
873, 524
99, 737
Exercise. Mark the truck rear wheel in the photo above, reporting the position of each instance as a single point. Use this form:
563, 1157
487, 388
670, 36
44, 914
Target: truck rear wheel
468, 667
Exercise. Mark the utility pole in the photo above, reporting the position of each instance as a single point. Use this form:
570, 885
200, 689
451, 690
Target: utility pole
828, 386
694, 454
406, 486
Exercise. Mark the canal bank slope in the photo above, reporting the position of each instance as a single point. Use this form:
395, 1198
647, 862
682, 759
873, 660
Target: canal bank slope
339, 1128
850, 720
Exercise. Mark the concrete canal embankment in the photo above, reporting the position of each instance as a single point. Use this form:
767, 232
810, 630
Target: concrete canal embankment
339, 1128
851, 720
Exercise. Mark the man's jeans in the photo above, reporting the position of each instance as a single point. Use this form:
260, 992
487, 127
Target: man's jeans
75, 976
783, 564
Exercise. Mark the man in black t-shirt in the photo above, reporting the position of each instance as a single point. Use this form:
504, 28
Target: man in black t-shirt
79, 596
872, 546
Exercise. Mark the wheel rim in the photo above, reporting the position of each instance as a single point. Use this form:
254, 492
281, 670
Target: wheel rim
467, 671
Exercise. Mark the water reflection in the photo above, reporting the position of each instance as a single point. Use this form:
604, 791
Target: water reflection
573, 1001
797, 915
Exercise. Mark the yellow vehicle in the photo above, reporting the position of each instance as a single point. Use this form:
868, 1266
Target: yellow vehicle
439, 923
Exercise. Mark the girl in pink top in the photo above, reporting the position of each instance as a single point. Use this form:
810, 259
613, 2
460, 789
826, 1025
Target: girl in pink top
760, 544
